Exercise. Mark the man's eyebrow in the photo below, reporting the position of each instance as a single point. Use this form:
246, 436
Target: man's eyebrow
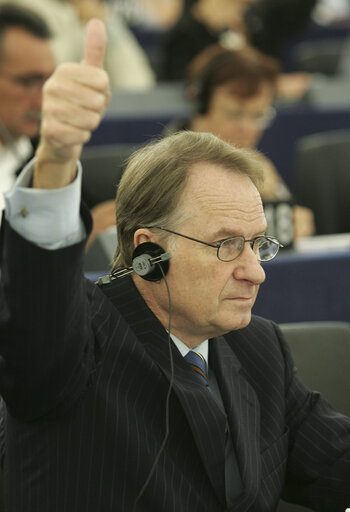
227, 233
29, 76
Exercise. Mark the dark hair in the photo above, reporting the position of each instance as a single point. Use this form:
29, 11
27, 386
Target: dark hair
15, 16
187, 4
245, 70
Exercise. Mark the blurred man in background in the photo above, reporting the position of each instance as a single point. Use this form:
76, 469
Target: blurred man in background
126, 62
26, 61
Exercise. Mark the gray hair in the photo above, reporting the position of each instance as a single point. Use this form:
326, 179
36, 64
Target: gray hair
156, 176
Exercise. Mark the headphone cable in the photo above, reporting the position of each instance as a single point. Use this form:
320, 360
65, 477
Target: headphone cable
167, 402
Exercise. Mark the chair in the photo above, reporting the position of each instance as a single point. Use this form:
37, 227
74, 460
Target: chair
323, 179
279, 140
135, 117
321, 352
103, 167
325, 92
319, 56
99, 255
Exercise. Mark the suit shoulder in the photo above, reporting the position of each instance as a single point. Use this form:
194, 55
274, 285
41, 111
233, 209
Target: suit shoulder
261, 336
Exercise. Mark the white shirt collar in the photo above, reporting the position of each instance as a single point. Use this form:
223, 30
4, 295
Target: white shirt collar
203, 348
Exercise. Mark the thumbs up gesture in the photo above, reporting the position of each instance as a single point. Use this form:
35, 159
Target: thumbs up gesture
74, 102
95, 44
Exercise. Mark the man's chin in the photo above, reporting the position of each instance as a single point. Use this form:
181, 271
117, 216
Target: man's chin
238, 323
245, 321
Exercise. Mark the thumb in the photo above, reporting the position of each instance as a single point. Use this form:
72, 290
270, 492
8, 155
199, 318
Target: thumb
95, 43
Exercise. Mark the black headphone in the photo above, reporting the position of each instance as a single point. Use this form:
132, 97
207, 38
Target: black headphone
149, 261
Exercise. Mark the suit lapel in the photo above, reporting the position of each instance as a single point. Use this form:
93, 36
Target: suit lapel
243, 413
205, 418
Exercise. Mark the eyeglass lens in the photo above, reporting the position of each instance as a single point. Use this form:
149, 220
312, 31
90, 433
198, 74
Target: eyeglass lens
264, 248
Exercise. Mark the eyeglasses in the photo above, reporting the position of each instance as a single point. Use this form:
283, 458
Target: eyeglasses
264, 247
263, 120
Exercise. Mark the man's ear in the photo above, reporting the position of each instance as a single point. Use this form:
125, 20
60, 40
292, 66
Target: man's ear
143, 235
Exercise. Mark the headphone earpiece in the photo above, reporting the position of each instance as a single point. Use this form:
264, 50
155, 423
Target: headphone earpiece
146, 260
149, 261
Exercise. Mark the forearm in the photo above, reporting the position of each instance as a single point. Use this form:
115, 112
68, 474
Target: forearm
44, 327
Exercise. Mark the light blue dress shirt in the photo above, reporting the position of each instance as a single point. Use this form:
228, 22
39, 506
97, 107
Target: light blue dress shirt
48, 218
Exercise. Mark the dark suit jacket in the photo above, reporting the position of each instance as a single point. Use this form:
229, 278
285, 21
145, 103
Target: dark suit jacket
85, 373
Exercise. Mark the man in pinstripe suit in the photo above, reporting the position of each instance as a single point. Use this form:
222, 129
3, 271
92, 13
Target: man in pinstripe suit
103, 411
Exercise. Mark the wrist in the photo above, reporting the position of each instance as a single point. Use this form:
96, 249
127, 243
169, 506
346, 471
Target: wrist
54, 169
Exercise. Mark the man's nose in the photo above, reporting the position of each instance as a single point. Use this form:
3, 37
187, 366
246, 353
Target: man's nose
248, 267
36, 100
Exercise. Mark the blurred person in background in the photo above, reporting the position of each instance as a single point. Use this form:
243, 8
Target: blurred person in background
160, 14
271, 23
202, 23
26, 61
233, 92
264, 24
126, 63
332, 12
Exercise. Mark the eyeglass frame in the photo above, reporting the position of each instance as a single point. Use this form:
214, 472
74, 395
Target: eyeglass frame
263, 120
219, 244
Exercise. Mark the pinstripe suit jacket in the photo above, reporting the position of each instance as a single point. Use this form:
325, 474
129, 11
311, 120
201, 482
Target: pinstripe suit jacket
85, 371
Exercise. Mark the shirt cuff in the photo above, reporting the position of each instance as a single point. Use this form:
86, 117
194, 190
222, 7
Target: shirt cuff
48, 218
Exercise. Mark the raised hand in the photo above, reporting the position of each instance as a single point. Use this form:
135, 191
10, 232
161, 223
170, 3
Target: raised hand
74, 102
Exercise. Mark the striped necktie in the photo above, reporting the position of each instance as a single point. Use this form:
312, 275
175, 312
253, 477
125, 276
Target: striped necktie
199, 365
